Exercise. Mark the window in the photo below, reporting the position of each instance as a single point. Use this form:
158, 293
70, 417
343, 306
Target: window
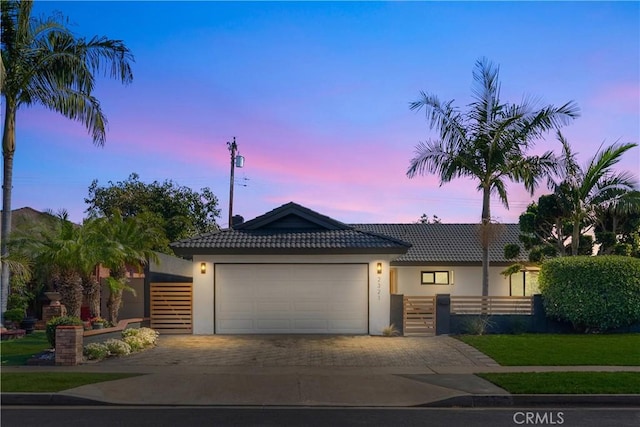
434, 278
524, 283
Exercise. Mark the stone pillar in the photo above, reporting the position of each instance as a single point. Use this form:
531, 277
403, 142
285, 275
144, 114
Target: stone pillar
443, 314
51, 311
69, 345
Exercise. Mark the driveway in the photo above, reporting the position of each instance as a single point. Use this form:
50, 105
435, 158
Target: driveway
306, 350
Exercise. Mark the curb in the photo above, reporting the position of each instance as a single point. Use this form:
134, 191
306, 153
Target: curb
532, 400
468, 401
47, 399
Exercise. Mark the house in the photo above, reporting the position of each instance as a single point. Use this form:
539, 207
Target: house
294, 270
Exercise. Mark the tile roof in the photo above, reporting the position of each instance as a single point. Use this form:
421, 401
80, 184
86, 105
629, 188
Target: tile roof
295, 229
446, 243
289, 241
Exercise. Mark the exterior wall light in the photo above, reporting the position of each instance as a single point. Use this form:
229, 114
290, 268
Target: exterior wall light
203, 267
379, 268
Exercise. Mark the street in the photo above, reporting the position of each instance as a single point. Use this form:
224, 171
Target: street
109, 416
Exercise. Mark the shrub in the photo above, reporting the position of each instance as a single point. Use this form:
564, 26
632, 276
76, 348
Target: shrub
96, 351
477, 325
140, 338
14, 315
60, 321
390, 331
118, 347
592, 293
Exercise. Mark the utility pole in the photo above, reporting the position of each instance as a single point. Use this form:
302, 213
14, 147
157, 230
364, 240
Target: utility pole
235, 161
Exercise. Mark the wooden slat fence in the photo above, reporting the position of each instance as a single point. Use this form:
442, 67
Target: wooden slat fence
419, 316
171, 308
491, 305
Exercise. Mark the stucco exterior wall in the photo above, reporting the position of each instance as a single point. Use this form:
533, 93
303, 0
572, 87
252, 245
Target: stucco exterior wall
467, 281
204, 287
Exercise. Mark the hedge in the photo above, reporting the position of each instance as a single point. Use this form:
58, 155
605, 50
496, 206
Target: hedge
593, 293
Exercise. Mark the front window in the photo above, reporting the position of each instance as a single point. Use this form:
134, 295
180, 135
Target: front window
524, 283
435, 278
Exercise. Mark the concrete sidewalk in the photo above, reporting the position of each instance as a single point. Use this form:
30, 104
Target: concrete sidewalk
307, 386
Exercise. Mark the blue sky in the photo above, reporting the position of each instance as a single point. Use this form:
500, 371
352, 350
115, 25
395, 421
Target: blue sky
317, 96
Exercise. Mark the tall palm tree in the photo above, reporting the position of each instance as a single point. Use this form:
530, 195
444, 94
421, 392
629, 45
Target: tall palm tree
125, 242
44, 63
595, 187
488, 143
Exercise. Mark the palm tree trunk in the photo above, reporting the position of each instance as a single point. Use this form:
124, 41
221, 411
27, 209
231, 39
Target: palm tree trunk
114, 303
486, 220
8, 150
575, 237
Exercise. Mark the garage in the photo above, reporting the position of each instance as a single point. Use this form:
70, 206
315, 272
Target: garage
291, 298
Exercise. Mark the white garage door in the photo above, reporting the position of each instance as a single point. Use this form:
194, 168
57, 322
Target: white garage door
291, 298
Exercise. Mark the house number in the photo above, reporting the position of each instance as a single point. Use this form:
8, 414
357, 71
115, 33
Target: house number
379, 288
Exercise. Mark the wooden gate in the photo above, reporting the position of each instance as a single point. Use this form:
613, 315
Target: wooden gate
171, 308
419, 317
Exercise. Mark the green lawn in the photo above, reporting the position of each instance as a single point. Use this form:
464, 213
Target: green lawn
42, 382
559, 349
567, 382
18, 351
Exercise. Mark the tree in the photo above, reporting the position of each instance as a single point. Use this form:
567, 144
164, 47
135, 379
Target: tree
44, 63
543, 228
63, 255
178, 210
425, 219
123, 242
488, 143
595, 187
617, 226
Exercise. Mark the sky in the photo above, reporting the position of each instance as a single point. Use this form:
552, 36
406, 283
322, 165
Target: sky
317, 96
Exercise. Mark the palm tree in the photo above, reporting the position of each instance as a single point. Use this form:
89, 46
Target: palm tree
487, 143
125, 242
44, 63
596, 187
63, 256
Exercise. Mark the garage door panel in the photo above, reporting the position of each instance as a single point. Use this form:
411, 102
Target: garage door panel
291, 298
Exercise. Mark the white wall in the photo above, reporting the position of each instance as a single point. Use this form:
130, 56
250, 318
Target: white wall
467, 281
203, 284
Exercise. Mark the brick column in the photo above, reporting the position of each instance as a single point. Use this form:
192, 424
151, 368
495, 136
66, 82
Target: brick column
69, 345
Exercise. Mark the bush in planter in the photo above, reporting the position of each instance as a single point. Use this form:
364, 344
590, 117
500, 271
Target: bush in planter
60, 321
592, 293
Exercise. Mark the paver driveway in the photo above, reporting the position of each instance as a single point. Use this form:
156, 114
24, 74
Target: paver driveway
307, 350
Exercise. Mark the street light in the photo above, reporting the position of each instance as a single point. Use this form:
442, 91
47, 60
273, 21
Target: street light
236, 161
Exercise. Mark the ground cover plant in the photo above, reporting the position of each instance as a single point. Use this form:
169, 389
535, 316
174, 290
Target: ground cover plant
133, 340
41, 382
559, 349
567, 382
18, 351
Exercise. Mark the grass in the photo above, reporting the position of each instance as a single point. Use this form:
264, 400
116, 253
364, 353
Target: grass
559, 349
18, 351
42, 382
567, 382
